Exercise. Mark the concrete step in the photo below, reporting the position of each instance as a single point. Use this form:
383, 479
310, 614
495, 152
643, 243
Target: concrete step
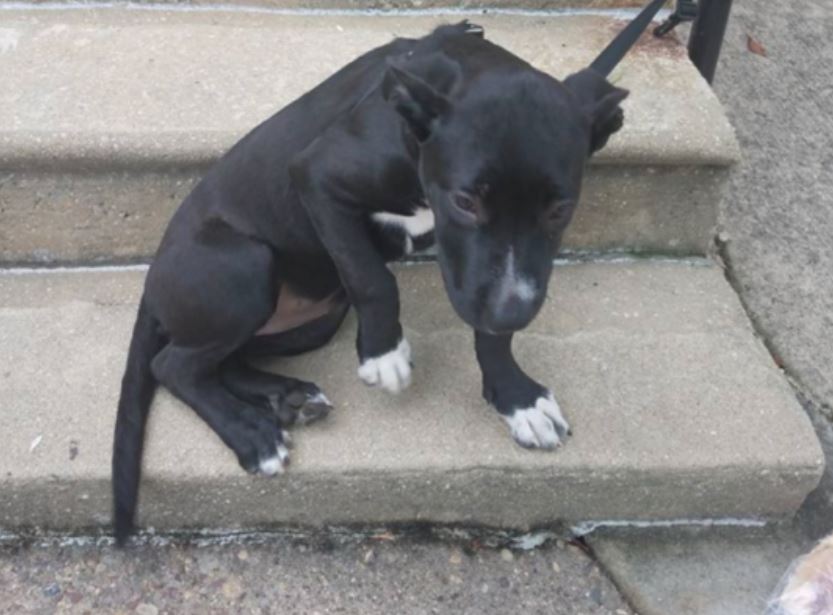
109, 115
393, 5
678, 410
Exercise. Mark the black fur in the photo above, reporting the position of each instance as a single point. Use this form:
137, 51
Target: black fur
494, 147
137, 389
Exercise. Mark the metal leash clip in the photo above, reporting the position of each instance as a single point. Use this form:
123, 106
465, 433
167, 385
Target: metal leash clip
686, 11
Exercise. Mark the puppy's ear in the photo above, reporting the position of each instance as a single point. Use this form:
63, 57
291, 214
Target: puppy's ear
416, 101
600, 100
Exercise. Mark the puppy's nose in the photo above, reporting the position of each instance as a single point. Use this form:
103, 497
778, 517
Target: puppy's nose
512, 314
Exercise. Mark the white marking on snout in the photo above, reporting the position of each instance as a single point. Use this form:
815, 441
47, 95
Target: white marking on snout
514, 285
525, 289
391, 371
415, 225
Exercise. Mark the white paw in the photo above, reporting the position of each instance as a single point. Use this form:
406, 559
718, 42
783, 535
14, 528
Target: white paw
540, 426
320, 398
391, 371
277, 464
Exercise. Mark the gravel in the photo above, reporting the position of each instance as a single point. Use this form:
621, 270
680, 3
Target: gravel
369, 577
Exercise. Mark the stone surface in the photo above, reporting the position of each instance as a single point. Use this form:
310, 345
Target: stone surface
371, 577
77, 135
406, 5
186, 99
727, 572
115, 216
120, 216
778, 212
677, 409
777, 222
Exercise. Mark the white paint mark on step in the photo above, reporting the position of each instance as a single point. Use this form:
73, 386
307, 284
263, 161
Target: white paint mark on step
586, 527
35, 443
8, 39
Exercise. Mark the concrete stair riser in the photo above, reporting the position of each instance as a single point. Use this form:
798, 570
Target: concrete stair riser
120, 216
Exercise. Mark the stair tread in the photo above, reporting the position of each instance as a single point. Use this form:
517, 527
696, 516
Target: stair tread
678, 412
180, 86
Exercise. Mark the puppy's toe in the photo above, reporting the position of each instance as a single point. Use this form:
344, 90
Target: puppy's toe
539, 426
391, 371
309, 407
271, 466
276, 464
551, 409
473, 29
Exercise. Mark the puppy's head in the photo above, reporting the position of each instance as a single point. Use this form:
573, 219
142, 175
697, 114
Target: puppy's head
501, 163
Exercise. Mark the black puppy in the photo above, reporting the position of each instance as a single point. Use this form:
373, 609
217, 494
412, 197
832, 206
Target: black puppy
448, 137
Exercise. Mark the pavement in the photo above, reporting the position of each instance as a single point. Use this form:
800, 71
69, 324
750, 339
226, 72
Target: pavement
296, 577
777, 221
778, 210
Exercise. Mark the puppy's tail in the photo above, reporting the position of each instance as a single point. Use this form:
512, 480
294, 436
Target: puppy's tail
626, 39
137, 388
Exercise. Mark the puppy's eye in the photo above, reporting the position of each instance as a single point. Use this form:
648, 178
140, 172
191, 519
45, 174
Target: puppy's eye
468, 207
559, 213
465, 203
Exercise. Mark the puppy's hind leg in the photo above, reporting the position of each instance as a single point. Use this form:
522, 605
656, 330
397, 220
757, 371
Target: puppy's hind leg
252, 432
293, 400
210, 295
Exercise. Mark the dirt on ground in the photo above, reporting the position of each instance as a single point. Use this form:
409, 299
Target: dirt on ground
376, 576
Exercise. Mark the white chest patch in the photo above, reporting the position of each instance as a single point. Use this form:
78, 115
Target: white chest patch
417, 224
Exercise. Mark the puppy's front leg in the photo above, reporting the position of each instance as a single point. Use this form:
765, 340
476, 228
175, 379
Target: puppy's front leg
384, 353
528, 408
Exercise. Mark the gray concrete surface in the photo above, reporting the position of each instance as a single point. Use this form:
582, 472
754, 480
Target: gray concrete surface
95, 154
120, 216
415, 5
778, 222
727, 571
678, 412
778, 210
683, 572
296, 578
186, 99
116, 216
